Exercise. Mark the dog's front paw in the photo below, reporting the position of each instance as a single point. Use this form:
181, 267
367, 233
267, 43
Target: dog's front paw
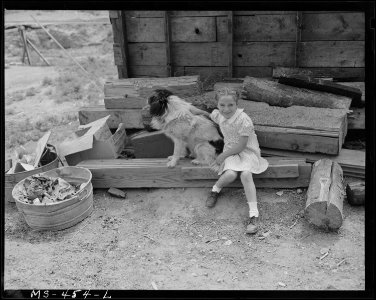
170, 157
172, 163
196, 162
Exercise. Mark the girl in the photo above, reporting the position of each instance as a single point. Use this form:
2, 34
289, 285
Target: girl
241, 153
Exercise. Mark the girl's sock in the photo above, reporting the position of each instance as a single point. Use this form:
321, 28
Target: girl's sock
253, 211
216, 189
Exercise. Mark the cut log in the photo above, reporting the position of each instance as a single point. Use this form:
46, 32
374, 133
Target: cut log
338, 74
352, 162
325, 195
322, 85
153, 173
276, 94
133, 92
152, 145
355, 192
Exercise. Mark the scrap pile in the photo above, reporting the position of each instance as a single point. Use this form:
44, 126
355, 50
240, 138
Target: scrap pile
299, 120
41, 190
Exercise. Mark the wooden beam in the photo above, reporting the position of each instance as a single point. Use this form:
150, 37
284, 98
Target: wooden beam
37, 51
299, 22
230, 39
153, 173
124, 44
24, 41
120, 56
167, 32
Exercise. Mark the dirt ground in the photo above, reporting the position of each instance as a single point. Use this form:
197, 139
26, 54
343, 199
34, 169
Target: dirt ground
167, 238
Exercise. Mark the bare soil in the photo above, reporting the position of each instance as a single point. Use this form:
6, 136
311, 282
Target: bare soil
167, 236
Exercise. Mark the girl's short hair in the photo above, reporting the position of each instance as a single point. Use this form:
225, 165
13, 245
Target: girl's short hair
225, 91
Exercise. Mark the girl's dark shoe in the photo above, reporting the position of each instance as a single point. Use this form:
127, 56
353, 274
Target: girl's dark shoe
212, 199
253, 225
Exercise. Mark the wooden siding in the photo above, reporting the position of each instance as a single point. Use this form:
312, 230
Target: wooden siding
262, 40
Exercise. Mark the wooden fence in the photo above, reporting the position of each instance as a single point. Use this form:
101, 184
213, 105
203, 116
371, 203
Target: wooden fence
238, 43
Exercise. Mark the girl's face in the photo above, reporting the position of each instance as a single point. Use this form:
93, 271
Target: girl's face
227, 106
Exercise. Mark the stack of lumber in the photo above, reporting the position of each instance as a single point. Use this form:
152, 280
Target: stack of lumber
153, 172
353, 162
133, 92
306, 129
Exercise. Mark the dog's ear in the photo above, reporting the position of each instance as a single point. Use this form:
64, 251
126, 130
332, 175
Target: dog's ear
158, 102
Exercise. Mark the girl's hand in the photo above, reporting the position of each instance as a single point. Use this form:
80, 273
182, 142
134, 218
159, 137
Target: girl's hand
220, 159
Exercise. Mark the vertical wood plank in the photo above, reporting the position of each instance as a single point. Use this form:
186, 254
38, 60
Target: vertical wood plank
24, 41
299, 17
168, 44
124, 45
230, 38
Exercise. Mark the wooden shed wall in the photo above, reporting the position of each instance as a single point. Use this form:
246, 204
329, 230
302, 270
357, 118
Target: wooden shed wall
238, 43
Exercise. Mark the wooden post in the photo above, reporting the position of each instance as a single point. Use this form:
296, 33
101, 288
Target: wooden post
230, 38
26, 50
120, 42
169, 71
37, 51
298, 37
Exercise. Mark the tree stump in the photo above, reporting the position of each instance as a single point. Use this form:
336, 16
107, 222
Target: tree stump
325, 195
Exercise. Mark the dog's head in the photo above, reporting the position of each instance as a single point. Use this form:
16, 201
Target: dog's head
158, 102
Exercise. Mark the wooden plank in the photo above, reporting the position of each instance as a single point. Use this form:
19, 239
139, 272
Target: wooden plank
230, 38
274, 170
152, 145
147, 54
356, 119
274, 93
299, 21
193, 29
332, 54
358, 85
336, 73
154, 71
318, 84
145, 30
218, 73
133, 92
119, 45
130, 117
259, 28
168, 36
264, 54
351, 161
332, 26
154, 173
296, 140
175, 13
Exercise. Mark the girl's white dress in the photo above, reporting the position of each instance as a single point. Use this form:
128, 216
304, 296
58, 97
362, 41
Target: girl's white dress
240, 124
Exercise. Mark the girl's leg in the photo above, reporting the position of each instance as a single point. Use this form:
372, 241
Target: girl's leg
226, 178
250, 193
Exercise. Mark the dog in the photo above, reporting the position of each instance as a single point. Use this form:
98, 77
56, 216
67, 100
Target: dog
182, 122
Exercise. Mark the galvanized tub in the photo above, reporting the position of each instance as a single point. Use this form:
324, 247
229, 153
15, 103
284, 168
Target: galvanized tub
62, 214
12, 179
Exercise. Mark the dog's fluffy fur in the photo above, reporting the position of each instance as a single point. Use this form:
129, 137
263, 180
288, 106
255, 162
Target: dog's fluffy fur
198, 133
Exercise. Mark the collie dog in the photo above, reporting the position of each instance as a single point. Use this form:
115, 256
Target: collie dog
188, 128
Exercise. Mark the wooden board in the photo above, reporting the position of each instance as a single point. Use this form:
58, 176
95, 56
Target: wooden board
324, 72
183, 29
130, 117
332, 54
259, 28
332, 26
199, 13
154, 173
134, 92
352, 161
152, 145
220, 72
